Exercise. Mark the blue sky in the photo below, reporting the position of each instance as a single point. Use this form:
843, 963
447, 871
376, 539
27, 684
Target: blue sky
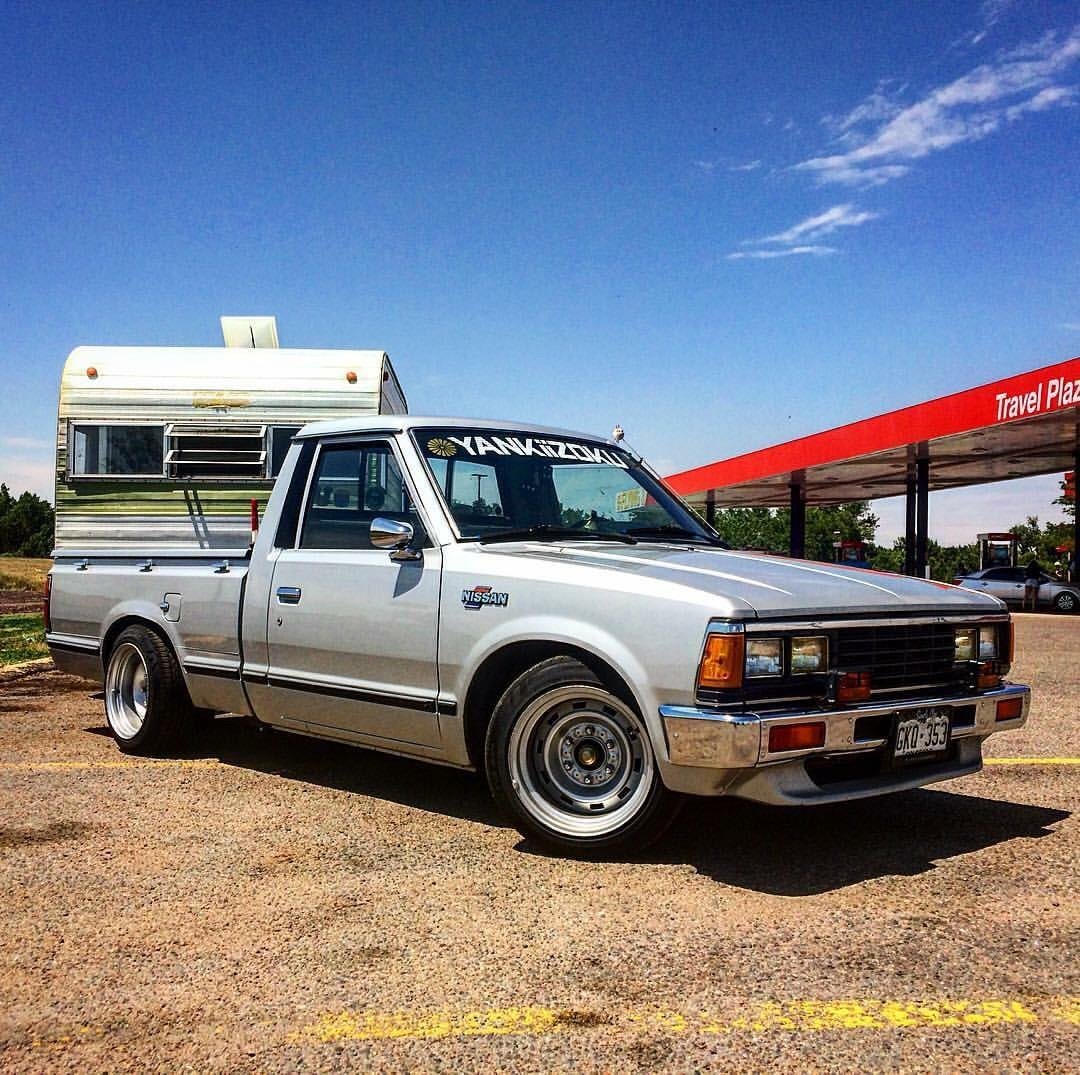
722, 225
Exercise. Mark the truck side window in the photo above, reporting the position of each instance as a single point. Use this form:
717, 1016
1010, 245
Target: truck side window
353, 484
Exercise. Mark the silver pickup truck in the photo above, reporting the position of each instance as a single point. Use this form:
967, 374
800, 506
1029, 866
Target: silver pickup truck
535, 604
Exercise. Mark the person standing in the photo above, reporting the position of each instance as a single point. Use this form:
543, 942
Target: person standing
1032, 579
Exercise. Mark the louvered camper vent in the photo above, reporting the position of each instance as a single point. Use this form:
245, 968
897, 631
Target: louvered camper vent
195, 450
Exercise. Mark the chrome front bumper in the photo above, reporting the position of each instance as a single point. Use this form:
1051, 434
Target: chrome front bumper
708, 739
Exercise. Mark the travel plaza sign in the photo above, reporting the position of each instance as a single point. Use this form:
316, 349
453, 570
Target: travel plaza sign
1048, 395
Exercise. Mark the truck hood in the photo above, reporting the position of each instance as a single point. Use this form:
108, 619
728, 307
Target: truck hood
769, 587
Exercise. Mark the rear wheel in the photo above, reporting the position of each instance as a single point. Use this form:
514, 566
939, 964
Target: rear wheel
146, 702
572, 762
1066, 601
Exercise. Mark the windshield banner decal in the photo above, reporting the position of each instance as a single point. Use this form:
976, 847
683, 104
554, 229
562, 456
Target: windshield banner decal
476, 446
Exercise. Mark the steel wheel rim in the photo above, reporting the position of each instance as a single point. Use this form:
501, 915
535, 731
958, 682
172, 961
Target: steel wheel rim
580, 761
127, 691
1066, 602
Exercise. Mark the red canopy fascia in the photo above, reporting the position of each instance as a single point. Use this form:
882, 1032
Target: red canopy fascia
1039, 391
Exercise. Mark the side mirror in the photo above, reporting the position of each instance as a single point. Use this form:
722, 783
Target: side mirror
394, 535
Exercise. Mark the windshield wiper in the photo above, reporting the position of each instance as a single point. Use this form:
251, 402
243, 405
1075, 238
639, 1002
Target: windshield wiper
671, 530
553, 533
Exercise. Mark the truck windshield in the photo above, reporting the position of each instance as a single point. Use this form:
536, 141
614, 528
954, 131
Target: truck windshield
500, 484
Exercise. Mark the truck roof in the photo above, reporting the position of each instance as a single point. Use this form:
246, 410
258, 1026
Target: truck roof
394, 423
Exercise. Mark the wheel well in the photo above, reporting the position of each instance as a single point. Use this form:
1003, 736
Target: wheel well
129, 621
501, 668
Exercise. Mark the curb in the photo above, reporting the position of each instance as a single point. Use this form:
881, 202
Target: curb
25, 668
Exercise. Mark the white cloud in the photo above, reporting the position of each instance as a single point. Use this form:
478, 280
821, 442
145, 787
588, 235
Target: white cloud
22, 474
749, 166
990, 14
817, 227
705, 166
32, 444
738, 255
1072, 326
882, 135
880, 105
803, 238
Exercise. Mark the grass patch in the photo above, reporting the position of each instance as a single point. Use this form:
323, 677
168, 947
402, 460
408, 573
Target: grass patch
17, 573
22, 638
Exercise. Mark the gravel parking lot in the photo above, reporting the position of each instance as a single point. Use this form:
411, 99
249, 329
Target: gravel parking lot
271, 903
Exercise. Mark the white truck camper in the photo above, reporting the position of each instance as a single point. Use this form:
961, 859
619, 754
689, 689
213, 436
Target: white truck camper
166, 447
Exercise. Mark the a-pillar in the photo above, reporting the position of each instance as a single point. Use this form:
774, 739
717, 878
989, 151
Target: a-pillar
797, 545
710, 508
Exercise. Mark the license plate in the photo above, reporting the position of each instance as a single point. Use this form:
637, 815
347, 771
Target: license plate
924, 732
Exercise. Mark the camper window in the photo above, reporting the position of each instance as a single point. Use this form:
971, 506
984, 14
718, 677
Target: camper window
216, 451
105, 451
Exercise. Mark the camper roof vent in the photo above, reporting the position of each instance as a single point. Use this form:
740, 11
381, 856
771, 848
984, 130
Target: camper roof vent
249, 331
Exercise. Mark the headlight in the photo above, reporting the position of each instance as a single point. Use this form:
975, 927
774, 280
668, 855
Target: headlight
810, 654
764, 657
988, 643
966, 643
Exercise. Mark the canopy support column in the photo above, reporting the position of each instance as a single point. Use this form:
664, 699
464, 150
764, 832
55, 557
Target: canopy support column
797, 546
909, 528
922, 506
1075, 576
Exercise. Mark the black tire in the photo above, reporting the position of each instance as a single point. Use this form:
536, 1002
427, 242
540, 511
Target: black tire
146, 701
1066, 601
570, 760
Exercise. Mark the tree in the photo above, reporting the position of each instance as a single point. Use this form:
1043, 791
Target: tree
26, 524
1067, 500
769, 528
1042, 542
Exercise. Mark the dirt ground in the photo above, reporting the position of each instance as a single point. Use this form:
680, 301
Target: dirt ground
275, 904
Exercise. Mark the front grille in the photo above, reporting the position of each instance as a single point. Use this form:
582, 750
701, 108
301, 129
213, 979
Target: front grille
899, 657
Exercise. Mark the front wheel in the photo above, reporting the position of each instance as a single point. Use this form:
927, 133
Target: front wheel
146, 701
1066, 602
572, 762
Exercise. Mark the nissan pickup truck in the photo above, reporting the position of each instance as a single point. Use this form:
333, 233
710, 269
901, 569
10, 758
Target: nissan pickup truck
536, 605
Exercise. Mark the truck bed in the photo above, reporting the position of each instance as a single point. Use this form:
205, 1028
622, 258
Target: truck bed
193, 597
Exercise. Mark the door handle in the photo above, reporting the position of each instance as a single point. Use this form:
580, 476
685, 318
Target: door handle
288, 595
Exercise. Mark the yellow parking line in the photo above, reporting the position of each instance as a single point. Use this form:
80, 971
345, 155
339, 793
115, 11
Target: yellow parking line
1031, 761
793, 1016
142, 763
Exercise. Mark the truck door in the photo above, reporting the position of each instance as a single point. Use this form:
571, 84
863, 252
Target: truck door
351, 633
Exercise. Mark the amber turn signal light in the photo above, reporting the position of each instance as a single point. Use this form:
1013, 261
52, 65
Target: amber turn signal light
722, 661
1010, 709
797, 736
988, 679
853, 687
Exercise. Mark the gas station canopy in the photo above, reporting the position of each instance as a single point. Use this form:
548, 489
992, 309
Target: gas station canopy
1018, 427
1015, 428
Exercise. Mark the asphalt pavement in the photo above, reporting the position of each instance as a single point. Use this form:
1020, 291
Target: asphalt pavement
269, 903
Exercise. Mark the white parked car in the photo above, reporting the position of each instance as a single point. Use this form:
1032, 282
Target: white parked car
1008, 583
